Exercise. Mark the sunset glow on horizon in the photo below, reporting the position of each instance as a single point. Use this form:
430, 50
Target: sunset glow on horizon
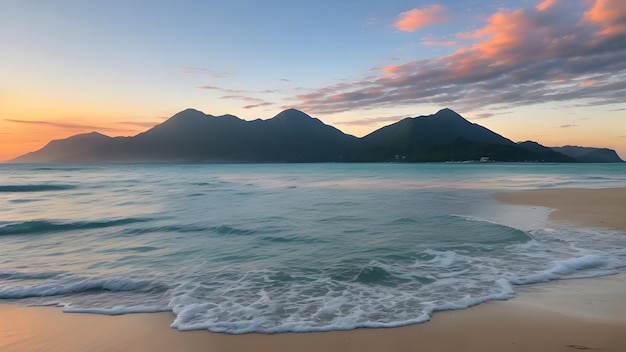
550, 71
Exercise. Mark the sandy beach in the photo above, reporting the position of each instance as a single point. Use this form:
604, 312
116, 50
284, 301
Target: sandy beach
574, 315
604, 207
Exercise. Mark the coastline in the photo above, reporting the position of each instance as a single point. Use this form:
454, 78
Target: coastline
583, 314
603, 207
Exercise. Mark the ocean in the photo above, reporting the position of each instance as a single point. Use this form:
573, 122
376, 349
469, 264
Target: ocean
240, 248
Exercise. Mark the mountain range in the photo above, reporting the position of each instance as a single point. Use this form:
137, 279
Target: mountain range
293, 136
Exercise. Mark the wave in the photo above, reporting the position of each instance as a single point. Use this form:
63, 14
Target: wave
357, 305
292, 239
17, 275
77, 285
590, 265
373, 274
488, 232
34, 188
230, 230
164, 228
44, 226
405, 220
117, 310
19, 201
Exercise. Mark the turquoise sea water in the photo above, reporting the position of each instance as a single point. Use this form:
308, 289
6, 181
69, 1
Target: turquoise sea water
289, 247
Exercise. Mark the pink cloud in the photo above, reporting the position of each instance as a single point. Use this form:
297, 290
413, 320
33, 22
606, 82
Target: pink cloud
392, 69
414, 19
610, 14
519, 57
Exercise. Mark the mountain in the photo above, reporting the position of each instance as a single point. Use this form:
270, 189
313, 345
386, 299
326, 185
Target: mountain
67, 150
550, 153
444, 126
293, 136
192, 136
447, 136
589, 155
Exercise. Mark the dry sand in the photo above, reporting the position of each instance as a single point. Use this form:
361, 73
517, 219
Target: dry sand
574, 315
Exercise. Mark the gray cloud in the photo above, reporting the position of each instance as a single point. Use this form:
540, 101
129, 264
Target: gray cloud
240, 97
67, 125
204, 70
372, 120
524, 57
140, 123
223, 90
484, 115
252, 106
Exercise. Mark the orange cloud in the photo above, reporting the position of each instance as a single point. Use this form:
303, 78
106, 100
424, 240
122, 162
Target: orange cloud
507, 31
520, 36
589, 83
414, 19
390, 70
610, 14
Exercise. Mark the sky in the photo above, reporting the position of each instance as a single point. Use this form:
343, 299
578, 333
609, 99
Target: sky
551, 71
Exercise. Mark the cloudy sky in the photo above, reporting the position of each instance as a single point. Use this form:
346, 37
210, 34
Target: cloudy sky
552, 71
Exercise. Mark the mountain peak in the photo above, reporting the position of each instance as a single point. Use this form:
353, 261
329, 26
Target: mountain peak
187, 113
190, 111
90, 136
292, 113
446, 110
448, 113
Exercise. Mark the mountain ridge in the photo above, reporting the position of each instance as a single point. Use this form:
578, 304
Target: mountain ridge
293, 136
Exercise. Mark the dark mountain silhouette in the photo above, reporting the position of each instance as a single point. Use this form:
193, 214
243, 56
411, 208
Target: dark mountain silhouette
589, 155
444, 126
446, 136
547, 152
192, 136
67, 150
293, 136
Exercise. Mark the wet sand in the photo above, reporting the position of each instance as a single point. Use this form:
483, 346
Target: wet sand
604, 207
573, 315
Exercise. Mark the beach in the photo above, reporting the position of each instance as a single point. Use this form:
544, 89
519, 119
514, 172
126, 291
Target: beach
572, 315
604, 207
